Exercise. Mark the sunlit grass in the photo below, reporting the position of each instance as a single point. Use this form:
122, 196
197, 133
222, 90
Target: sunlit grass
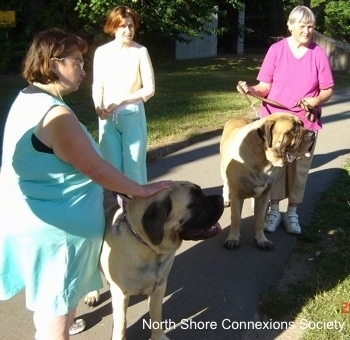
192, 96
324, 299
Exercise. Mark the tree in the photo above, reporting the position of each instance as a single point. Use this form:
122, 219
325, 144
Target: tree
265, 20
168, 17
162, 21
337, 20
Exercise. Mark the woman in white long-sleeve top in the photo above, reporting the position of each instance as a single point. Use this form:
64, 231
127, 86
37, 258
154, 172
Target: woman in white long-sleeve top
123, 79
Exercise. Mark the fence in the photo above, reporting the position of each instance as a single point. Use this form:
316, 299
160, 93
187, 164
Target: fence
338, 52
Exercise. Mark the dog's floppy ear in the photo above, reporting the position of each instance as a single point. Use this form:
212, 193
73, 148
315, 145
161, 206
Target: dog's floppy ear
265, 132
154, 218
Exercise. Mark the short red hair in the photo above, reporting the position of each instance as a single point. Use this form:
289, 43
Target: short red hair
115, 17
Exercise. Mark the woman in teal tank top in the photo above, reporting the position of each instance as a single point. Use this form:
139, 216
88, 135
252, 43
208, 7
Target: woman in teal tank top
51, 183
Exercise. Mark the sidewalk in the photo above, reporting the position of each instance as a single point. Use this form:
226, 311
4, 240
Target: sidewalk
211, 289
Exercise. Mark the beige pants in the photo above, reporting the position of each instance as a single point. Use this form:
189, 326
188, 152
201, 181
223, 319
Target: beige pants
291, 180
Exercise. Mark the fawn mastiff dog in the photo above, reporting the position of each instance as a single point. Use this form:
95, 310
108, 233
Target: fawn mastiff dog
251, 153
139, 248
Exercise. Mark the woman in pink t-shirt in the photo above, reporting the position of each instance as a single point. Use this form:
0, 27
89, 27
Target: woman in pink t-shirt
294, 69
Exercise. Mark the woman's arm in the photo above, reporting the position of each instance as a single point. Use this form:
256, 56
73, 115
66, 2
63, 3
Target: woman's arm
97, 83
147, 75
62, 132
322, 97
261, 89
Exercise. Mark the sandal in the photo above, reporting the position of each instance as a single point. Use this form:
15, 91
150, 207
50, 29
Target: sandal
77, 326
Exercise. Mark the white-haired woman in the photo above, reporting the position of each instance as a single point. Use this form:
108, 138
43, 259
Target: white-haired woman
295, 72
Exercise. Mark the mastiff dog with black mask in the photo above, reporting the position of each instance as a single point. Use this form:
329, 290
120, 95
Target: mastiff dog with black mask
251, 152
139, 248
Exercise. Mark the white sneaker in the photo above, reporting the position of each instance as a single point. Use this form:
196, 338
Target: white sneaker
77, 326
272, 221
291, 223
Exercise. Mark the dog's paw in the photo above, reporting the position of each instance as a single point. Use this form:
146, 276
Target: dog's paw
92, 298
265, 245
227, 204
231, 244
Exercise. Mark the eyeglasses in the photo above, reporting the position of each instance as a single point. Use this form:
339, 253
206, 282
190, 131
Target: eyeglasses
80, 64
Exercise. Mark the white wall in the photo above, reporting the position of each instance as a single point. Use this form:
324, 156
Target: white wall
199, 48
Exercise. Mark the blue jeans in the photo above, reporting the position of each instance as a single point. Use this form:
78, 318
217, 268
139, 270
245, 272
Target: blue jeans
123, 141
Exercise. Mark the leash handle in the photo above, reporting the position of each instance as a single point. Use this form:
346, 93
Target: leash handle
244, 94
311, 113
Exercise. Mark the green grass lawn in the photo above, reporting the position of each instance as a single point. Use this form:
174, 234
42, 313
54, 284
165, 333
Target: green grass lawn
192, 96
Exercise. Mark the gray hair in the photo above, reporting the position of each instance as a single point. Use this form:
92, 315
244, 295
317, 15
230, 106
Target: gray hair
301, 14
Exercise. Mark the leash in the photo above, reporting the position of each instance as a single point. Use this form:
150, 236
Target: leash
268, 101
311, 113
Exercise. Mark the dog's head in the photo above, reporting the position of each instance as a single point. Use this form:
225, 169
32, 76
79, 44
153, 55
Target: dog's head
285, 138
181, 212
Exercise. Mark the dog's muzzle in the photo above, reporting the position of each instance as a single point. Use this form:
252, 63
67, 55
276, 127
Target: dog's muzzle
309, 138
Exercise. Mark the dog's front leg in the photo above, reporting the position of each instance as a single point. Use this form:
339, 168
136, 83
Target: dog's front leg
261, 204
120, 304
234, 235
155, 303
92, 298
225, 190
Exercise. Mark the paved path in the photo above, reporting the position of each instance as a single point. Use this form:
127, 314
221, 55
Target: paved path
210, 287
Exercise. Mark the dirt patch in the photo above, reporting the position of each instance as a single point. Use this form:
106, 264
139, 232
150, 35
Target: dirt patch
299, 270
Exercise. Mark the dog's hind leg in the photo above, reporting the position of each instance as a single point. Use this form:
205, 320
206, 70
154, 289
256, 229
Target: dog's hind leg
234, 235
155, 303
261, 205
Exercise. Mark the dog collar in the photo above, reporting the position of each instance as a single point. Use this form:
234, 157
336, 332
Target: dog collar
116, 225
124, 219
